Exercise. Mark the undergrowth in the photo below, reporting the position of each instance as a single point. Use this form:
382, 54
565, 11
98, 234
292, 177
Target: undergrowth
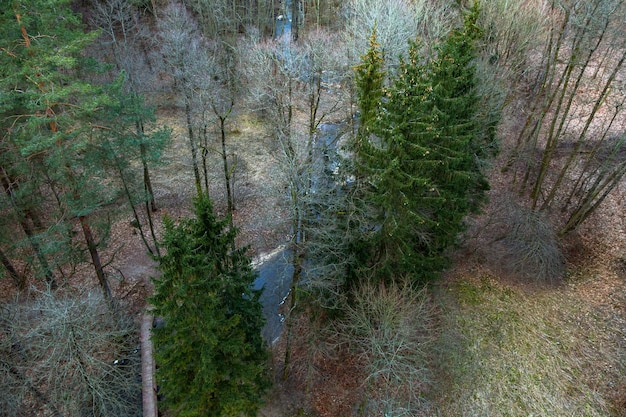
506, 351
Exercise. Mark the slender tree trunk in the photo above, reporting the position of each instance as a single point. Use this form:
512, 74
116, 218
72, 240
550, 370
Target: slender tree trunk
153, 233
192, 145
144, 160
601, 189
18, 279
30, 233
527, 137
205, 156
586, 172
590, 118
146, 178
222, 116
295, 19
95, 257
227, 173
132, 206
554, 133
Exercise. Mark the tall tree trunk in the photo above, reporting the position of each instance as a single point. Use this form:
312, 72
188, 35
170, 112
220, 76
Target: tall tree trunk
227, 174
561, 112
205, 155
295, 19
192, 145
588, 123
152, 232
18, 279
95, 257
132, 206
543, 98
29, 232
146, 176
587, 172
597, 194
222, 116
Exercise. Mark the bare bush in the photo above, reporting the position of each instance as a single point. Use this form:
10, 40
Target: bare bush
390, 327
525, 244
66, 356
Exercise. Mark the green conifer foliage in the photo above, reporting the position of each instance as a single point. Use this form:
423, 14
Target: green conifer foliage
419, 155
210, 355
370, 78
404, 188
55, 124
454, 138
47, 109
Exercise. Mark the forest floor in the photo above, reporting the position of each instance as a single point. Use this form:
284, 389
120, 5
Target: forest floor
590, 303
560, 350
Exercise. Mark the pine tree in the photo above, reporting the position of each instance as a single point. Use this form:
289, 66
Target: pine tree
211, 357
46, 115
55, 124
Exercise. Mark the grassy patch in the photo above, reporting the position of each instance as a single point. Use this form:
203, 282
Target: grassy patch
505, 351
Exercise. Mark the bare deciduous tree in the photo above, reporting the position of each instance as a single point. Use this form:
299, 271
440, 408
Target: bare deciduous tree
182, 47
289, 83
68, 357
396, 22
567, 153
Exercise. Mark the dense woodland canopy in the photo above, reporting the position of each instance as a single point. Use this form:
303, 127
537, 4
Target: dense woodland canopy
432, 104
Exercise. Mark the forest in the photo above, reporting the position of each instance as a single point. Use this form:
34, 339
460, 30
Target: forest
323, 208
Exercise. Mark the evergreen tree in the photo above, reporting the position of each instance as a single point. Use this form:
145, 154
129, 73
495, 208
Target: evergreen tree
55, 124
419, 157
211, 357
370, 78
403, 191
118, 146
356, 231
457, 140
46, 113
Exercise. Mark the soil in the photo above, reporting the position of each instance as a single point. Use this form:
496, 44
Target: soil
332, 389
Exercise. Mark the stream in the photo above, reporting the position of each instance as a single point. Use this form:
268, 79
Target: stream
275, 269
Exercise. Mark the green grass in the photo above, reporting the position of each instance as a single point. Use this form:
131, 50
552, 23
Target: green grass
504, 351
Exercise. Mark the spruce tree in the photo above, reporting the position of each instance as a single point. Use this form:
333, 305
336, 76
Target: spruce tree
419, 157
404, 190
355, 231
210, 354
457, 142
370, 79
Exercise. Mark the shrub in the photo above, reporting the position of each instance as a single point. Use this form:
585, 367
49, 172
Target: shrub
390, 327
